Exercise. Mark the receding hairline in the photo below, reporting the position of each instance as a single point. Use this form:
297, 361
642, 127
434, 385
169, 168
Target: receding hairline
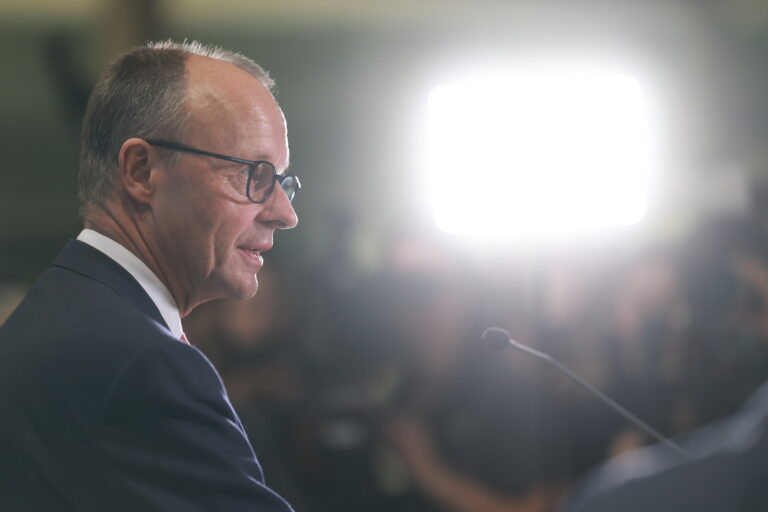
212, 85
204, 66
190, 48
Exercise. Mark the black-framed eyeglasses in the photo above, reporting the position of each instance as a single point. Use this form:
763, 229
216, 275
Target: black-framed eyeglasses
262, 174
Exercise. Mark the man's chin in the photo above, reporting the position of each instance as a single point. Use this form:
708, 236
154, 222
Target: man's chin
240, 286
245, 289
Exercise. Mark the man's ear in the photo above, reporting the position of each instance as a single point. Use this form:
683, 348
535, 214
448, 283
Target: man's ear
137, 164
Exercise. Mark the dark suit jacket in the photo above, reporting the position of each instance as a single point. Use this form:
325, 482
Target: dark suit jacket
102, 409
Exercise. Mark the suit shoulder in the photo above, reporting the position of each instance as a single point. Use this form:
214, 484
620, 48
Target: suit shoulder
77, 311
69, 338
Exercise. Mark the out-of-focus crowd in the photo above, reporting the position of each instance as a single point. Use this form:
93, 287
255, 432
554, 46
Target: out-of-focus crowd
374, 391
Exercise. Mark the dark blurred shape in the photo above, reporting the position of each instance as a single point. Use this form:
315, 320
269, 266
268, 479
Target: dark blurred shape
126, 23
70, 82
721, 358
725, 271
726, 473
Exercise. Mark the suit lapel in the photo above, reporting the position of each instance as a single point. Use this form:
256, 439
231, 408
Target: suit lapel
90, 262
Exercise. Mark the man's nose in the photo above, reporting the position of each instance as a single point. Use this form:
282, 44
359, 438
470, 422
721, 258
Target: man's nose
279, 210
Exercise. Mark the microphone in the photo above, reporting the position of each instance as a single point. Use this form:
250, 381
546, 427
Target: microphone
501, 338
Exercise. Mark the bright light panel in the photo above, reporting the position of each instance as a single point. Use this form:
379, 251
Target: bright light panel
539, 153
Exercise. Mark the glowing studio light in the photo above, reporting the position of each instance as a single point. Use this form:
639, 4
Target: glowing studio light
539, 153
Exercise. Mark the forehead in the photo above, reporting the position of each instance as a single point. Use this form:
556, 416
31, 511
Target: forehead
231, 111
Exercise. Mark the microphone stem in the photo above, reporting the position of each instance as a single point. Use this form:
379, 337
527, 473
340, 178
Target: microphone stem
616, 407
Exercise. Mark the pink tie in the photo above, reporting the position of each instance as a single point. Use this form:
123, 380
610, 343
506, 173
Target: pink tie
184, 339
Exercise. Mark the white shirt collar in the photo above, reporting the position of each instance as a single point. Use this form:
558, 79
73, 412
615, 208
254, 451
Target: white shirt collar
155, 288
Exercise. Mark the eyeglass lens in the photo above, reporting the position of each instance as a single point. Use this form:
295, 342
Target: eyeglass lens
263, 180
290, 185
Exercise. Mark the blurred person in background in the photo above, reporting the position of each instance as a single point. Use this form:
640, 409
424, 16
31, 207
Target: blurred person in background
722, 364
725, 269
463, 422
648, 315
106, 406
256, 347
464, 429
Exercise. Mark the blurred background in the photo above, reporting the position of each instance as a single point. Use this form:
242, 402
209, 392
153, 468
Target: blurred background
358, 369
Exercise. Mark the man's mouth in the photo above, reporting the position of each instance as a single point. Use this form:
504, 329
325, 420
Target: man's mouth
252, 255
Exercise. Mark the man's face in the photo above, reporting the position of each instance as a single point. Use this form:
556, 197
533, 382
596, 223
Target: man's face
209, 235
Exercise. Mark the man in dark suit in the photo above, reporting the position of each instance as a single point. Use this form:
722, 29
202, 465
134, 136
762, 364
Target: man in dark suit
103, 403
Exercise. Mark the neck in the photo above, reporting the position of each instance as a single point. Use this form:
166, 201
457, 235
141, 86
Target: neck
134, 233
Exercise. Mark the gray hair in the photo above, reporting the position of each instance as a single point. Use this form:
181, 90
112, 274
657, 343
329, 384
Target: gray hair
141, 94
